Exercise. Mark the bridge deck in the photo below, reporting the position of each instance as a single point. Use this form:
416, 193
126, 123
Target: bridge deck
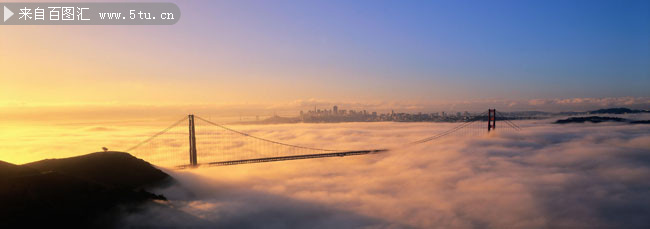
286, 158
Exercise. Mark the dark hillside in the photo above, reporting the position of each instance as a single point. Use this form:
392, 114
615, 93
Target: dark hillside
109, 168
90, 191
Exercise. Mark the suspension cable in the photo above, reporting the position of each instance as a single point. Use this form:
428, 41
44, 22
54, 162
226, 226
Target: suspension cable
266, 140
447, 132
157, 134
510, 123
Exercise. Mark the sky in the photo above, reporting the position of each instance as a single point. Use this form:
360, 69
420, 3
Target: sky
268, 56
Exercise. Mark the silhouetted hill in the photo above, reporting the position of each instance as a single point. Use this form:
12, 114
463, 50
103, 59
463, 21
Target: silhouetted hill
90, 191
8, 170
619, 110
116, 169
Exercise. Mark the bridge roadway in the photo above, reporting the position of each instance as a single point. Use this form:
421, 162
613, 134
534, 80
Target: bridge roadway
286, 158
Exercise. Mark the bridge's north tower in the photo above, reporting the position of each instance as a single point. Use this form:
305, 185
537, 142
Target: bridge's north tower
193, 161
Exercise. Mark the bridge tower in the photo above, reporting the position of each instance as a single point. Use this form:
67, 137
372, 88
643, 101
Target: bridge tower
492, 121
193, 161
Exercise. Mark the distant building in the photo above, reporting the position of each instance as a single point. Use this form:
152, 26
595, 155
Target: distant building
336, 109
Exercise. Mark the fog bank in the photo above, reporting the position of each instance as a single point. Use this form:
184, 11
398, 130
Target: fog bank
575, 175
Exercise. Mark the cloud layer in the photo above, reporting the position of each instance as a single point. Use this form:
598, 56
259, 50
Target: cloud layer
18, 112
576, 175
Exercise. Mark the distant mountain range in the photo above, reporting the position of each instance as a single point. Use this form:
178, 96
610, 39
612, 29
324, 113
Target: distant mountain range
89, 191
592, 119
599, 119
620, 110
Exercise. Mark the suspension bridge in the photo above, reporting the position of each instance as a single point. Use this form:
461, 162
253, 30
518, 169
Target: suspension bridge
194, 141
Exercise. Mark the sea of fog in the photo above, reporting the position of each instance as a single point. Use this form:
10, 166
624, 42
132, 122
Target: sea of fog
547, 175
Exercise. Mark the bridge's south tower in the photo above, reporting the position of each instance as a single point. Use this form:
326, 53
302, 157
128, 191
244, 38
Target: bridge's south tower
492, 119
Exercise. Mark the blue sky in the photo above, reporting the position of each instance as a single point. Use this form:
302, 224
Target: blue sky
527, 49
